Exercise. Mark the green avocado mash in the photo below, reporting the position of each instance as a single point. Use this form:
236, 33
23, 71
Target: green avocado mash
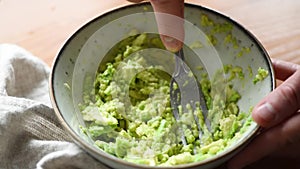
261, 75
142, 129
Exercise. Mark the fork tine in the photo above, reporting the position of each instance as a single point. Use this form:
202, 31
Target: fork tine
174, 95
186, 87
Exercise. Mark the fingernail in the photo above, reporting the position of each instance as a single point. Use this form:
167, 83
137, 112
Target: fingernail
168, 39
171, 44
266, 112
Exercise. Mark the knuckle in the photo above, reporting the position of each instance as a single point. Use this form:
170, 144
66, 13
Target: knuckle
290, 94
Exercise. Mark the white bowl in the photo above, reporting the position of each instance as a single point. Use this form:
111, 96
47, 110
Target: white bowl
82, 53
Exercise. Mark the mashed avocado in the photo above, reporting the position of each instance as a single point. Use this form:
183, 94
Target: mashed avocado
261, 75
142, 129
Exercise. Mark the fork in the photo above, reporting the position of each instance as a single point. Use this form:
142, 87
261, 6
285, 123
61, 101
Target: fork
184, 90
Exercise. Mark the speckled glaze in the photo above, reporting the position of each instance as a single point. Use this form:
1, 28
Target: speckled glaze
81, 54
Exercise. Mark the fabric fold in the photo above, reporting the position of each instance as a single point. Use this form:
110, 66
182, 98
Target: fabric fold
31, 135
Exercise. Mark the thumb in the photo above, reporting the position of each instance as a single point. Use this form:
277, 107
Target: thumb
280, 104
169, 17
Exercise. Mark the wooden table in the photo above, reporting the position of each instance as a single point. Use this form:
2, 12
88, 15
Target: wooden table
41, 26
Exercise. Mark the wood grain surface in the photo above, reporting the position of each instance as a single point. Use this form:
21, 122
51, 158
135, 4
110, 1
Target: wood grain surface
42, 26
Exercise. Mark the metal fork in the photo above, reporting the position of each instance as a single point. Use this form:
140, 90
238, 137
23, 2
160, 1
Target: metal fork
184, 90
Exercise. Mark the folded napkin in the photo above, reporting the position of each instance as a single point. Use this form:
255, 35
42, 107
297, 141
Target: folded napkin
30, 134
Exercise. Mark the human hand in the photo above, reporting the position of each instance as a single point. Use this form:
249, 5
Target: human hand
170, 26
279, 115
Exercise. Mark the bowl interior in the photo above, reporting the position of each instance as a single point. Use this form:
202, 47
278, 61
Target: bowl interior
229, 43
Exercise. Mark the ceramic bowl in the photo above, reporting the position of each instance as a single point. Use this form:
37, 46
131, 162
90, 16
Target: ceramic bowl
225, 41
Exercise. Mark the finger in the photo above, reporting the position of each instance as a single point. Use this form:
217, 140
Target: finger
279, 104
284, 69
289, 152
135, 1
173, 7
170, 26
269, 141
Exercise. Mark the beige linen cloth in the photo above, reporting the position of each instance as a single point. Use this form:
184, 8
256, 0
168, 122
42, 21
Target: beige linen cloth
30, 134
